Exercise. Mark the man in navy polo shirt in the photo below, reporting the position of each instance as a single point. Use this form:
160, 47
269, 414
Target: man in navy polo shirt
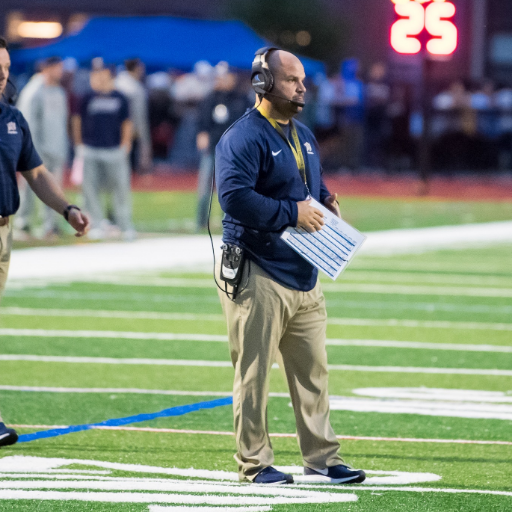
17, 153
267, 169
102, 133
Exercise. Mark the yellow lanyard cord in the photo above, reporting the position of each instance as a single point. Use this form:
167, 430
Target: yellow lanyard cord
297, 150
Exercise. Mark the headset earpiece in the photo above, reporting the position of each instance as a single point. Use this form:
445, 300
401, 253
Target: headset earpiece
262, 79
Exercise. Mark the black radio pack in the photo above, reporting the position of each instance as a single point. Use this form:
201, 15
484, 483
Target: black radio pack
232, 265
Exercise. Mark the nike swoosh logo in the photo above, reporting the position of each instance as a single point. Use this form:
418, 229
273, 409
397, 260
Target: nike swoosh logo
275, 153
4, 435
322, 471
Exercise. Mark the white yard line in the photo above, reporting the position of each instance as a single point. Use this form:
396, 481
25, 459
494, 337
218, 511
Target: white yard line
426, 277
277, 435
170, 392
345, 438
52, 333
387, 289
418, 345
97, 313
227, 364
149, 315
391, 289
427, 324
381, 289
430, 307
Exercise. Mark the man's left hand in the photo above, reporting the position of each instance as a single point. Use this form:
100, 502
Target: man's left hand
79, 221
331, 203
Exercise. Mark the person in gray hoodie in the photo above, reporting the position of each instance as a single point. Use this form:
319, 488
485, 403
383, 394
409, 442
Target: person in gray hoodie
48, 115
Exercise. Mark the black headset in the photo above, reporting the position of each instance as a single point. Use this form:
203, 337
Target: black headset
262, 79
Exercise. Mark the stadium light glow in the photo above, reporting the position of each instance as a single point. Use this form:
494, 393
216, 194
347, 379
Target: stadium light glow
435, 18
39, 29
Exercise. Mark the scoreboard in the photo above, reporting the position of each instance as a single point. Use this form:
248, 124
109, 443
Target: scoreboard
424, 20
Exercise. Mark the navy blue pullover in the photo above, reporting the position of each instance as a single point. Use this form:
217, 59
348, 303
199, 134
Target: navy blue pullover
259, 185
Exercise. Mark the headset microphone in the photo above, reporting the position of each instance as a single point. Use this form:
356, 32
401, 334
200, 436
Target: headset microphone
293, 102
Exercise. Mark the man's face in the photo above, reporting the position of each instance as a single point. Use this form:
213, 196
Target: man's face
5, 64
101, 80
54, 72
289, 79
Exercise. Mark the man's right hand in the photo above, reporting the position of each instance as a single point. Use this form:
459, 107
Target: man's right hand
309, 217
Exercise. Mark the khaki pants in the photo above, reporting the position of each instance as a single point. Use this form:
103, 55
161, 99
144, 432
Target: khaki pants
5, 253
267, 318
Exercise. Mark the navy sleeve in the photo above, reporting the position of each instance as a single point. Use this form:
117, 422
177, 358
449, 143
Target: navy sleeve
29, 158
238, 160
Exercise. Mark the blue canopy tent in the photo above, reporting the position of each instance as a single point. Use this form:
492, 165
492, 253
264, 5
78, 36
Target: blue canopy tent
162, 42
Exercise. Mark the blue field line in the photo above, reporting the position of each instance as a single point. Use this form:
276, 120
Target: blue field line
117, 422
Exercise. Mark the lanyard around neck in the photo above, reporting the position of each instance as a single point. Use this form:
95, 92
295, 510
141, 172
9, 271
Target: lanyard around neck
295, 147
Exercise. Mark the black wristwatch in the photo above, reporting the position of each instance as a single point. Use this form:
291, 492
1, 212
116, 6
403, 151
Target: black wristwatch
65, 213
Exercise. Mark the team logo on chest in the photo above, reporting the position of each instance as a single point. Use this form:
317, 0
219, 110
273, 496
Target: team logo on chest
12, 129
308, 147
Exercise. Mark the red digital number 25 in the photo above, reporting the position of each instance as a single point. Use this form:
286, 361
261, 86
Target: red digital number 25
435, 18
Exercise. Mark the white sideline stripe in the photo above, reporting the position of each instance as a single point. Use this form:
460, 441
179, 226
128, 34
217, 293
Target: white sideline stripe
222, 338
227, 364
113, 360
386, 289
94, 313
53, 333
411, 369
418, 345
195, 251
137, 391
346, 286
418, 290
394, 322
225, 433
149, 315
356, 276
407, 276
158, 508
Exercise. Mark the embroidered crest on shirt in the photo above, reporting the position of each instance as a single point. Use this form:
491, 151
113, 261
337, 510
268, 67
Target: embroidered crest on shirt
308, 147
12, 129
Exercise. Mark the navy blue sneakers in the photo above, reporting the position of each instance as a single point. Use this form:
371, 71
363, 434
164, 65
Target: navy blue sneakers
270, 475
7, 435
339, 474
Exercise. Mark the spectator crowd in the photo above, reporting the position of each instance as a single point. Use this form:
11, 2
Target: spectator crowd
107, 122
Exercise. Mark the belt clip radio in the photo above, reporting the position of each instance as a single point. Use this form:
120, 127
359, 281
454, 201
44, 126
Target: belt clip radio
232, 265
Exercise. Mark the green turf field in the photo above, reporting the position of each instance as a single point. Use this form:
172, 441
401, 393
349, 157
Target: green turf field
421, 386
